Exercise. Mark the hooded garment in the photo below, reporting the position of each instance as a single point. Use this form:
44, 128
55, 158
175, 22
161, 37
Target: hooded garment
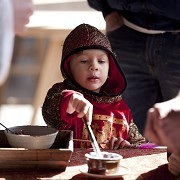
111, 115
87, 37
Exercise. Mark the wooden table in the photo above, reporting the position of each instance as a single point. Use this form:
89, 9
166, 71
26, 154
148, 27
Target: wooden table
54, 26
145, 164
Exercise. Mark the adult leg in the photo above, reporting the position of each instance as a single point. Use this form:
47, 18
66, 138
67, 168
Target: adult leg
142, 86
168, 66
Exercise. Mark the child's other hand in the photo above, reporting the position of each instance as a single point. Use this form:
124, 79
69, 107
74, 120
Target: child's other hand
174, 163
118, 143
81, 105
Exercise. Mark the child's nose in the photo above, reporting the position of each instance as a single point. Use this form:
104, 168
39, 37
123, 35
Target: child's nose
93, 67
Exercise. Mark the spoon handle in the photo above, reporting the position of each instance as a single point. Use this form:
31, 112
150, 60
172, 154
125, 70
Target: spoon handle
7, 128
92, 139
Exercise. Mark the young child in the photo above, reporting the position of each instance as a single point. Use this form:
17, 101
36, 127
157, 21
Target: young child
92, 87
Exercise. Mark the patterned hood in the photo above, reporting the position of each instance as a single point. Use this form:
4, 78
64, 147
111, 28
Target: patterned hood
85, 37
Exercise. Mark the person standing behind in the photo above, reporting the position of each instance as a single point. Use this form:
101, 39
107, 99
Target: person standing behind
14, 15
145, 35
92, 87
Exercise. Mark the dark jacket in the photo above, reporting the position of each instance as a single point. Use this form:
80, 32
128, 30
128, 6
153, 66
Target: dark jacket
149, 14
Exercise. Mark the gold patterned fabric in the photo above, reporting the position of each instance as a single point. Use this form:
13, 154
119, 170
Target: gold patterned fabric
83, 37
134, 137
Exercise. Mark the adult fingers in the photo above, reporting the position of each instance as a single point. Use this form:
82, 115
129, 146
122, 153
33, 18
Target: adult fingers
174, 164
150, 128
170, 127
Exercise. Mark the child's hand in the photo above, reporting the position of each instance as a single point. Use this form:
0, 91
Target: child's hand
81, 105
117, 143
174, 164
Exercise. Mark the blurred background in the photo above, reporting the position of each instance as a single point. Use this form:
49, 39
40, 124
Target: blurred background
22, 95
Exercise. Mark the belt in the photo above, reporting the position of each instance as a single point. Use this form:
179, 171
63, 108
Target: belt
146, 31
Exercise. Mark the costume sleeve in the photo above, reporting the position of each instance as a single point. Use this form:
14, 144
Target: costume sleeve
134, 137
55, 106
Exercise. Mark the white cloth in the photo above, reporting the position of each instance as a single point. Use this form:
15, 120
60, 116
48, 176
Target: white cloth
6, 38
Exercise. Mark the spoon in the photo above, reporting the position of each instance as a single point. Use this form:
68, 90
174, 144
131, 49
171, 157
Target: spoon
92, 138
13, 132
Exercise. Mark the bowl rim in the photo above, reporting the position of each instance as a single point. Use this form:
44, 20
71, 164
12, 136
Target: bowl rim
8, 133
89, 156
31, 141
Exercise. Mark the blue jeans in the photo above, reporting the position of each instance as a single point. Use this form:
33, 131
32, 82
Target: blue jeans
151, 64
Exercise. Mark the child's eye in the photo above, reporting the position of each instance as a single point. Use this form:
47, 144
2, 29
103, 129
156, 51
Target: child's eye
84, 61
101, 61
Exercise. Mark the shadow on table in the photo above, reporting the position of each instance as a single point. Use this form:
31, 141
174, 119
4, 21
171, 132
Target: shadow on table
27, 174
84, 177
159, 173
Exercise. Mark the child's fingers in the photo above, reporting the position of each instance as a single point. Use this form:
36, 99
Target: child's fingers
121, 143
111, 142
82, 106
76, 101
124, 143
83, 109
118, 143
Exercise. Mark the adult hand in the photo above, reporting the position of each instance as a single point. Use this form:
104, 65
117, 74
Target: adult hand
22, 9
170, 126
81, 105
174, 163
163, 124
152, 129
113, 21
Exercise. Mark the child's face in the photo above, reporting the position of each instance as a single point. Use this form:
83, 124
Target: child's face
90, 68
